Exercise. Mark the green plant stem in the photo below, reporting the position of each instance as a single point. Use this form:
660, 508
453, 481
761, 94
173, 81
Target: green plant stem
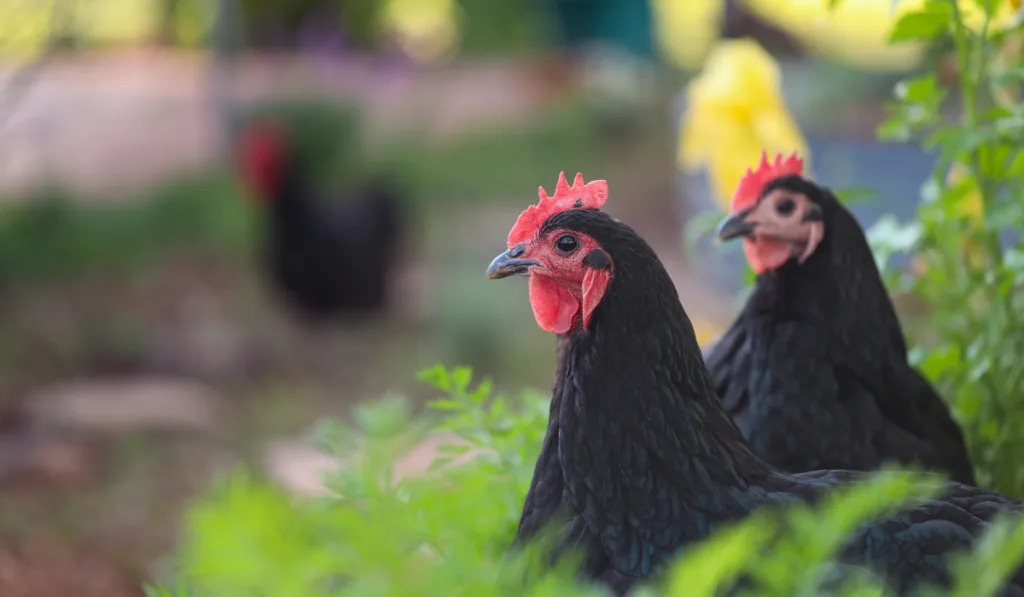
972, 74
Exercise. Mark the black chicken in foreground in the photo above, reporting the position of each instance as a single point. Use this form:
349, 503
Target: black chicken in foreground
640, 458
814, 370
327, 259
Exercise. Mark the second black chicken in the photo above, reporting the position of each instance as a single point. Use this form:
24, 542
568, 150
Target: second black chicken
326, 258
818, 346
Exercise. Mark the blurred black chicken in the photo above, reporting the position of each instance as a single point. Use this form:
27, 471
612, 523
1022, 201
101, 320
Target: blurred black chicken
327, 258
818, 346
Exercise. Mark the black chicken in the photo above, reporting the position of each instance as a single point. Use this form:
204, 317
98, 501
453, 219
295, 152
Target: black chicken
326, 259
640, 457
818, 346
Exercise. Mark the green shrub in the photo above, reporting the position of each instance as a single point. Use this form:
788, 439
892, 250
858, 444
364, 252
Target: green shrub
965, 239
503, 26
51, 234
448, 533
487, 26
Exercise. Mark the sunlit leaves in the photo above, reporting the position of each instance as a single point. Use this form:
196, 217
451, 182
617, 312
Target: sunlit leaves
916, 108
449, 532
922, 25
966, 233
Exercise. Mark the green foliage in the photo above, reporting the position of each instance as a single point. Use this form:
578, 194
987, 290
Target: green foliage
487, 26
186, 22
448, 532
503, 26
499, 163
965, 240
53, 235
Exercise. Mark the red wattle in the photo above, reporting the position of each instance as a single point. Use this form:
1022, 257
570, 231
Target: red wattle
554, 307
766, 253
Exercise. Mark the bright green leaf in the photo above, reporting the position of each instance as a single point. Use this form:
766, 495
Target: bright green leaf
461, 376
922, 25
436, 376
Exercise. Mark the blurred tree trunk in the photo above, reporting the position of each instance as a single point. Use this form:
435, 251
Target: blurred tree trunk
166, 35
225, 47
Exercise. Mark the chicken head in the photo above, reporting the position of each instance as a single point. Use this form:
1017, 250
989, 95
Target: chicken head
569, 271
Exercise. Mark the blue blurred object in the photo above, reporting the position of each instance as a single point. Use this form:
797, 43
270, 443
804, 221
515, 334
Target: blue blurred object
627, 24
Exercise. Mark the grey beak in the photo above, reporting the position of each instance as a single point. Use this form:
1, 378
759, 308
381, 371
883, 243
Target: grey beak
736, 226
505, 265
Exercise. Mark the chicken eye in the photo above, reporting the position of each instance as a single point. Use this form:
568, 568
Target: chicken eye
566, 243
785, 207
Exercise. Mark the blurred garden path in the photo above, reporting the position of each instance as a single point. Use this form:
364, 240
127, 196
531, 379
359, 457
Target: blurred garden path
115, 122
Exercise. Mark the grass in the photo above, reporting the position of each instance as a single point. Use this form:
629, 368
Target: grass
52, 236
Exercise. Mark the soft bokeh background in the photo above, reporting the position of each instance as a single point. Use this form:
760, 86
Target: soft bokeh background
143, 350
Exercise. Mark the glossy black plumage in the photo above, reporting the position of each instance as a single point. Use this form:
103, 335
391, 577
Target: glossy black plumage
814, 370
331, 258
544, 497
646, 460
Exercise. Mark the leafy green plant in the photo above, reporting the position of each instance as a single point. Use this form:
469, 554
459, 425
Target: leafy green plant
52, 234
969, 264
449, 532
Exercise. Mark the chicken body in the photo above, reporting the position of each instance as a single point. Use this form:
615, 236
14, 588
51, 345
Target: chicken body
326, 258
814, 370
641, 460
329, 259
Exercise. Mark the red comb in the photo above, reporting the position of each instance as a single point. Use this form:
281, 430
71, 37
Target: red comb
753, 182
591, 195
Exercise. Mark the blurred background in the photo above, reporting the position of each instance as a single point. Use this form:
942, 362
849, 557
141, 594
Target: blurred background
223, 220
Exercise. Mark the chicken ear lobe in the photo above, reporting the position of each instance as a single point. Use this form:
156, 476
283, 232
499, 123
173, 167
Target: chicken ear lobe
595, 283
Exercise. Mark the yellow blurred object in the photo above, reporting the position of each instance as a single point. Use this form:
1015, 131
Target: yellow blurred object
857, 31
116, 21
426, 30
29, 27
706, 331
1008, 59
26, 30
686, 29
971, 205
735, 110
